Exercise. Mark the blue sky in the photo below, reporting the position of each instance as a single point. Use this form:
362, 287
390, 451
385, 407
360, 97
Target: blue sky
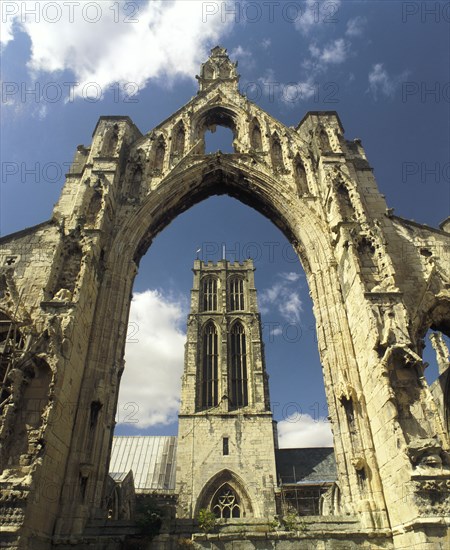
383, 66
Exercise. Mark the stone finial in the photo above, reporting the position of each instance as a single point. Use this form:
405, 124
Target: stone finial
218, 67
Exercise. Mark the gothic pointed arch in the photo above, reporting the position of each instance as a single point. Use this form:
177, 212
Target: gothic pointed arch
136, 182
159, 154
178, 142
256, 136
215, 114
223, 493
276, 152
434, 328
300, 176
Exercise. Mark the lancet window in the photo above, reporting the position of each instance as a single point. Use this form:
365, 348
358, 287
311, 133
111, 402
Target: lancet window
210, 366
238, 367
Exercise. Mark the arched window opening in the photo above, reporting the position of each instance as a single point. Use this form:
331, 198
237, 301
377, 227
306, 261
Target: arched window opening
160, 154
226, 504
436, 359
236, 293
256, 137
277, 153
219, 138
436, 354
238, 367
300, 177
210, 294
209, 383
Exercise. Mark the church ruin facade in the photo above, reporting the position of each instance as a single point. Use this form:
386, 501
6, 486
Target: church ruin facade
378, 284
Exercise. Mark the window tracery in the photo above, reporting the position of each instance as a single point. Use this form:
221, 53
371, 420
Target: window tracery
210, 294
236, 293
226, 504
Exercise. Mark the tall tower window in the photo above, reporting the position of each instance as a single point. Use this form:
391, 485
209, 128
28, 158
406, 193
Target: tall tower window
210, 294
236, 293
238, 374
209, 381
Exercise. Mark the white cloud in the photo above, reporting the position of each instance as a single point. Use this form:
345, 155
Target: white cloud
333, 53
284, 297
154, 360
290, 308
381, 83
317, 13
244, 56
6, 28
291, 276
275, 331
302, 430
356, 26
165, 39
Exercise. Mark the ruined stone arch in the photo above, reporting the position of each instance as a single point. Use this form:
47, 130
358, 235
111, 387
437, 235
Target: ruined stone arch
364, 330
216, 483
437, 319
309, 240
215, 115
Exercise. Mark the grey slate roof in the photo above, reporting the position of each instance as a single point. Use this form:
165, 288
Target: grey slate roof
312, 465
152, 460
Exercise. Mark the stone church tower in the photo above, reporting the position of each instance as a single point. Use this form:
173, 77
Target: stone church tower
225, 455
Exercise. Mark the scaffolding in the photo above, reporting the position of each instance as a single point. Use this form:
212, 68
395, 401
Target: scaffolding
303, 498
